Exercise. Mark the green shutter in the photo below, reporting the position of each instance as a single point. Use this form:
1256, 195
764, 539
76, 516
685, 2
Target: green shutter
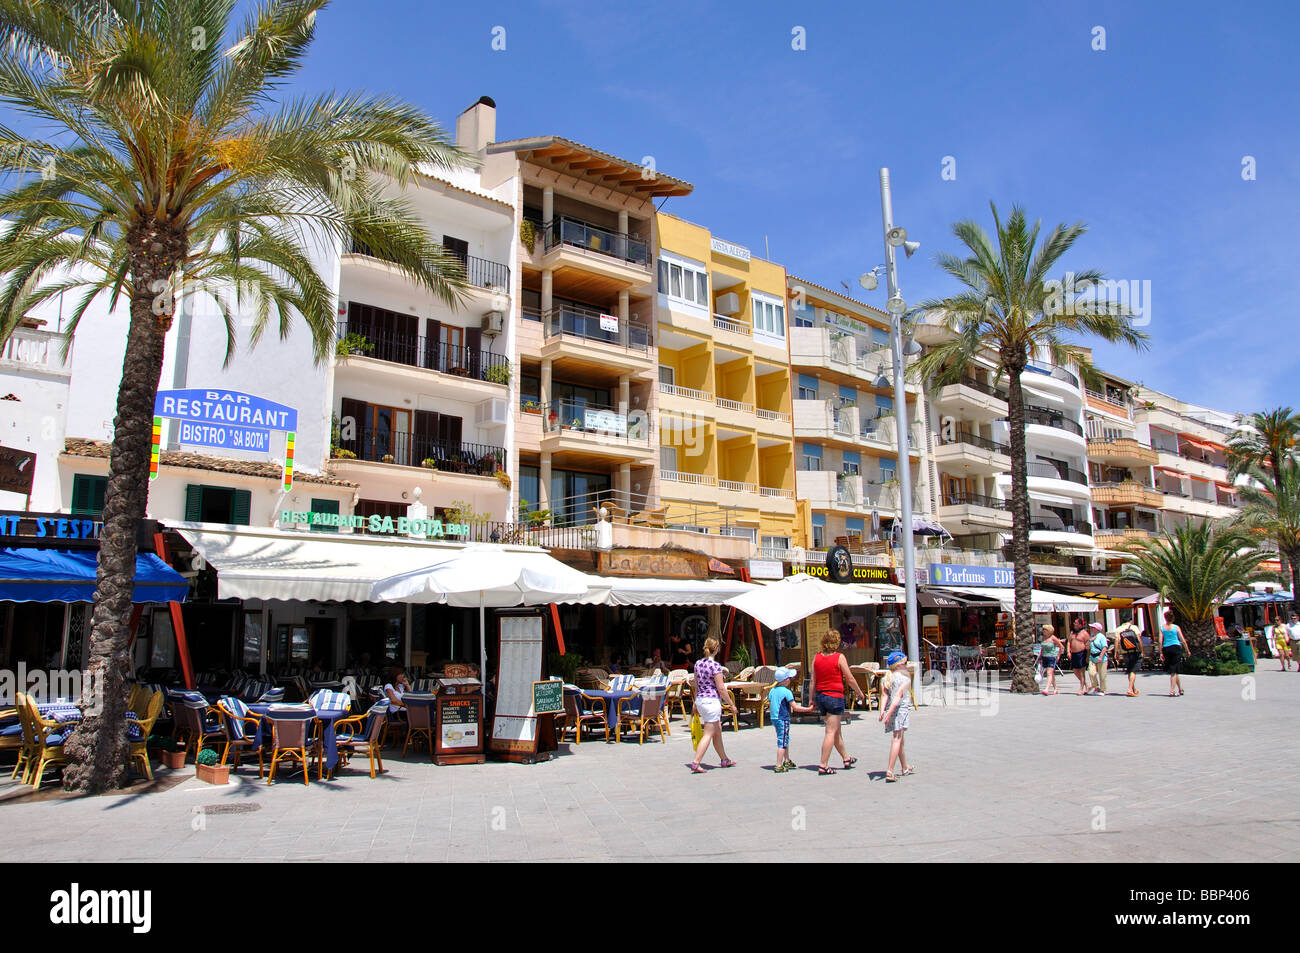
193, 503
243, 504
88, 494
324, 506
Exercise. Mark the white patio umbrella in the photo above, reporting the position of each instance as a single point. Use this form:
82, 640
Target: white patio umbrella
485, 575
796, 597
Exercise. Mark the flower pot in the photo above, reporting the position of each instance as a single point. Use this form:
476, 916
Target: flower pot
213, 773
174, 759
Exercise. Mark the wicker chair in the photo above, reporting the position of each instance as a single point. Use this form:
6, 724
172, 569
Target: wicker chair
419, 724
138, 748
582, 710
239, 725
363, 733
47, 738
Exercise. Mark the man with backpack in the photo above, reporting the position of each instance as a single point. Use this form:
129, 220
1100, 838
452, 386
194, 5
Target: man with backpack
1128, 643
1098, 652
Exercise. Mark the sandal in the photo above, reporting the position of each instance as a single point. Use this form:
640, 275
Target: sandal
727, 763
782, 768
1132, 694
909, 770
849, 762
697, 768
823, 771
889, 776
790, 764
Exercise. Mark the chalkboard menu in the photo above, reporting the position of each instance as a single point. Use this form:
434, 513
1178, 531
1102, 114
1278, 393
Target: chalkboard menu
458, 732
548, 697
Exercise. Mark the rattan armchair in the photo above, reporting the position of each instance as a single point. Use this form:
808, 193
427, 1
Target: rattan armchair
138, 748
239, 725
47, 738
363, 733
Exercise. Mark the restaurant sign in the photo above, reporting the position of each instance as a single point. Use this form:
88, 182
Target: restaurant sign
224, 420
653, 562
17, 468
400, 526
949, 574
27, 526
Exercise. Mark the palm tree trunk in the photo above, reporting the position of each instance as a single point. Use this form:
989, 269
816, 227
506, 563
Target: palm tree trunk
1201, 637
97, 750
1022, 669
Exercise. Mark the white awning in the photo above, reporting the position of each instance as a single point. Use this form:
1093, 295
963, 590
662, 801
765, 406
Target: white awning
327, 567
879, 592
635, 591
1042, 601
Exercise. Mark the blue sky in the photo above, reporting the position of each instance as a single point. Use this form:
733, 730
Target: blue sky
1143, 141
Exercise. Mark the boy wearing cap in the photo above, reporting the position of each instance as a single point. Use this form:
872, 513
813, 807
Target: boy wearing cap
1098, 646
780, 703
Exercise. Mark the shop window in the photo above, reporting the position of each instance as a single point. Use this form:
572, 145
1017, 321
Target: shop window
324, 506
217, 504
88, 494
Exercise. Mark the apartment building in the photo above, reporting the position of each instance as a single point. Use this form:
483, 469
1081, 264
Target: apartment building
1190, 467
845, 432
1126, 505
726, 457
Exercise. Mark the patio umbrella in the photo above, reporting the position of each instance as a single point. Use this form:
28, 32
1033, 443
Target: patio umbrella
796, 597
485, 575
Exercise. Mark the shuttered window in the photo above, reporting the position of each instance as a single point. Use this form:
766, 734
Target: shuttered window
217, 504
324, 506
88, 494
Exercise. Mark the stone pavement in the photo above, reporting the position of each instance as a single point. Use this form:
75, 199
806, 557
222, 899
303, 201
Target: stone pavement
1210, 776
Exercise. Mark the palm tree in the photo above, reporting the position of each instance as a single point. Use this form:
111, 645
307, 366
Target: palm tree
1272, 506
1011, 309
1266, 439
166, 159
1193, 568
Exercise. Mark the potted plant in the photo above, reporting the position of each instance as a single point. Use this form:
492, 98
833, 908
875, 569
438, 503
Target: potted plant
565, 666
528, 234
537, 519
353, 344
530, 407
429, 463
207, 768
497, 374
387, 458
172, 753
339, 453
503, 478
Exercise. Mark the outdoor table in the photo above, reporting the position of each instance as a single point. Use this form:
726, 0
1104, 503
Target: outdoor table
610, 700
326, 718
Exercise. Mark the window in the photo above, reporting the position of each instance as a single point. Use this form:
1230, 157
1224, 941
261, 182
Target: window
810, 457
684, 281
324, 506
667, 375
851, 463
776, 544
769, 317
742, 532
888, 470
668, 459
807, 388
217, 504
458, 247
88, 494
818, 530
804, 315
879, 337
848, 396
529, 489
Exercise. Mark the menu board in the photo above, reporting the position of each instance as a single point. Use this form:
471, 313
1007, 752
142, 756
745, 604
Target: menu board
548, 697
458, 721
514, 726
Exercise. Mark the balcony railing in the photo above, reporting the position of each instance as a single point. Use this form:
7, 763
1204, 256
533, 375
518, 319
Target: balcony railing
1060, 526
740, 405
591, 325
975, 384
738, 486
411, 450
1051, 370
417, 350
775, 492
1122, 408
735, 327
695, 479
571, 416
1041, 468
32, 348
764, 414
676, 390
477, 272
962, 498
975, 440
1044, 417
579, 234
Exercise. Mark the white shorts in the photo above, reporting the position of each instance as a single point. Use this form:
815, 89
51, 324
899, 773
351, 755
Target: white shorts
709, 709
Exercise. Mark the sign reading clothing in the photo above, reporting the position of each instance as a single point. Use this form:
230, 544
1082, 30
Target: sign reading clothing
948, 574
225, 420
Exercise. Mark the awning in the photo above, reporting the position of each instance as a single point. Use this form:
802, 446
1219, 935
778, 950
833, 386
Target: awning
61, 575
637, 591
1042, 601
1108, 597
928, 599
1240, 598
880, 592
289, 565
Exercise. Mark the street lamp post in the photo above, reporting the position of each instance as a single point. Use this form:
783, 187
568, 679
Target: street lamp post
896, 308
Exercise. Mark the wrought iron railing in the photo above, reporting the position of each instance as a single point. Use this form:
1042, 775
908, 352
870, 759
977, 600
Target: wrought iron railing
1074, 526
1052, 370
962, 498
418, 350
377, 445
579, 234
1045, 417
591, 325
479, 272
975, 440
1041, 468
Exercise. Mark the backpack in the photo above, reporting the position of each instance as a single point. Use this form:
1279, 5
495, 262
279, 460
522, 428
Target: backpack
1130, 641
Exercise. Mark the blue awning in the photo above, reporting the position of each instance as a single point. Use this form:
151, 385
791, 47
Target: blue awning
62, 575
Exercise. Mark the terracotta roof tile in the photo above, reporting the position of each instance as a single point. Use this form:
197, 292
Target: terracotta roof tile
184, 459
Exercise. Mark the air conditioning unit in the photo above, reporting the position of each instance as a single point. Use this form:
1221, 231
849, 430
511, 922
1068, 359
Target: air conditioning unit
494, 322
491, 412
728, 304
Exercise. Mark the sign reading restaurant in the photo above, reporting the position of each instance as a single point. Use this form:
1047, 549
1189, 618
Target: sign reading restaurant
225, 420
949, 574
401, 526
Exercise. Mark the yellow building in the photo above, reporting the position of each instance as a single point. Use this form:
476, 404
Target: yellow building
726, 444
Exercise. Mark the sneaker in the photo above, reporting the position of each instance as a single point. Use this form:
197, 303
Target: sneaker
781, 768
790, 764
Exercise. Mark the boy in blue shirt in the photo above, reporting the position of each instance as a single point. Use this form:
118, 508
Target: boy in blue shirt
780, 703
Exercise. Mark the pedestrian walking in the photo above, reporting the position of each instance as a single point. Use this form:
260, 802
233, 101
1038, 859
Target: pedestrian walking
710, 696
1098, 650
1173, 649
896, 713
1048, 657
780, 703
1293, 633
1128, 644
1281, 637
830, 675
1078, 639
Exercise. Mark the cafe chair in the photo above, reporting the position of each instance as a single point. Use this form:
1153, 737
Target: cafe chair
358, 733
240, 727
642, 714
138, 735
582, 710
621, 683
47, 738
291, 741
419, 725
27, 740
193, 727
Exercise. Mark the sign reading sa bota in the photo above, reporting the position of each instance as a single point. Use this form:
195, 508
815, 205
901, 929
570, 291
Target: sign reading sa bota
224, 420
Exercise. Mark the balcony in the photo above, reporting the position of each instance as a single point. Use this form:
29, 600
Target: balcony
780, 416
1128, 492
731, 326
31, 349
1099, 401
424, 353
477, 272
412, 450
1046, 417
687, 393
588, 326
1117, 538
970, 399
1055, 531
586, 429
1192, 467
1123, 451
971, 453
577, 234
960, 508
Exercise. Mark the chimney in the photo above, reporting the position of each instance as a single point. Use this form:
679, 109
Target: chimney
477, 126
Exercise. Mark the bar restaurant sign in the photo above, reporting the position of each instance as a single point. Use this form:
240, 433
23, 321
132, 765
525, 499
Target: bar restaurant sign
224, 420
384, 525
950, 574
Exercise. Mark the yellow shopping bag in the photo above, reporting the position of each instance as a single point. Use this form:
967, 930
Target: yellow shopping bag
697, 729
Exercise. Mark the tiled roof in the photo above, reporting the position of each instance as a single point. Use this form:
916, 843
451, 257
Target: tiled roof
660, 184
77, 447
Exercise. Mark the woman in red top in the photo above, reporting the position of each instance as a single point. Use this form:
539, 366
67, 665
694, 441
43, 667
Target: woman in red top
830, 674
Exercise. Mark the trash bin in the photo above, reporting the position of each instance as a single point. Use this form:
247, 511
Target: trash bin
1245, 652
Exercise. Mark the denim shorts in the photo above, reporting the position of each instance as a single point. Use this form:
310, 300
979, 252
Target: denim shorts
830, 704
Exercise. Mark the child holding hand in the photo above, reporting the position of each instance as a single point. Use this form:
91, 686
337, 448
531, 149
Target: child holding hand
780, 703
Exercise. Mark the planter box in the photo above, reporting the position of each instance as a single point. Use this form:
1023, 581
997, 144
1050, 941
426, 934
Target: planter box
173, 759
213, 773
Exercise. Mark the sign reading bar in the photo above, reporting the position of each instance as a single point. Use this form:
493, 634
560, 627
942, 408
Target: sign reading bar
729, 249
949, 574
401, 525
225, 420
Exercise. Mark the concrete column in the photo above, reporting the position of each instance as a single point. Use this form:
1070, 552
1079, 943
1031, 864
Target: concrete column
622, 222
548, 204
547, 278
624, 393
545, 387
623, 315
624, 486
544, 482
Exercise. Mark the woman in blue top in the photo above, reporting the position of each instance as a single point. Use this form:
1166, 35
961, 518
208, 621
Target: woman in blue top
1173, 647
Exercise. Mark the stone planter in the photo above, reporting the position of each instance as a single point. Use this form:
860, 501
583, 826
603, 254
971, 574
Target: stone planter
213, 773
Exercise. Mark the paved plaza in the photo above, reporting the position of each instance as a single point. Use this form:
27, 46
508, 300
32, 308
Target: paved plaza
1210, 776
